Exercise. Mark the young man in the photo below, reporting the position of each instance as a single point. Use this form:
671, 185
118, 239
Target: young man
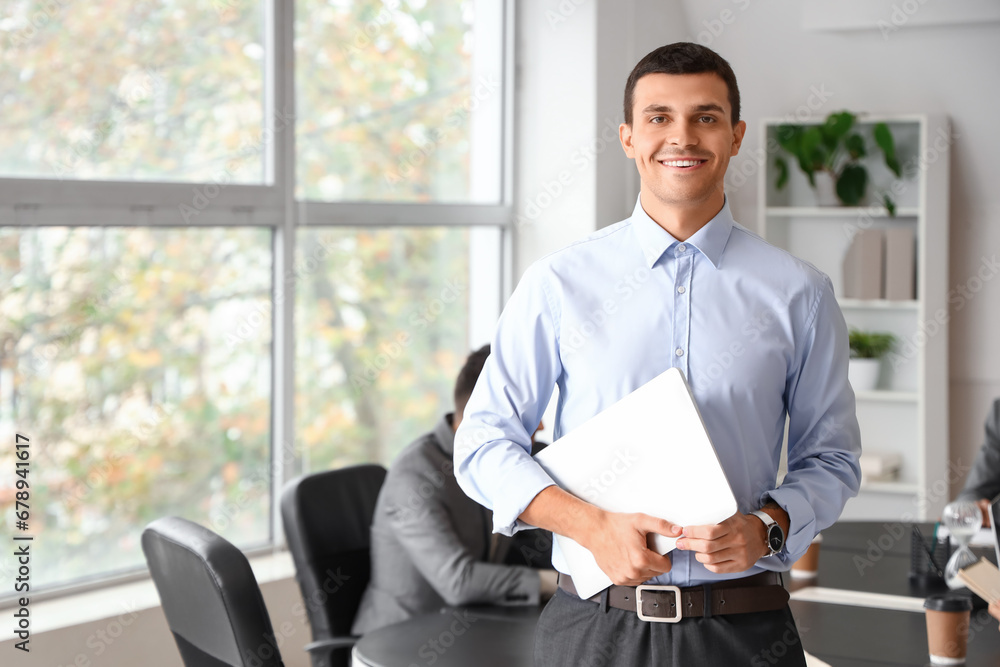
759, 336
431, 545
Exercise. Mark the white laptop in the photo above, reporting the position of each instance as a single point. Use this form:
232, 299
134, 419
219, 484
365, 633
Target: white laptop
649, 453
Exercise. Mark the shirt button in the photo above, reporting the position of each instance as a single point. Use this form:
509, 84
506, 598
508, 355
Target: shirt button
681, 247
681, 289
679, 352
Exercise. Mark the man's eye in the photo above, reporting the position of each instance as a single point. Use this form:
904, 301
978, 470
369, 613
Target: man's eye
657, 119
707, 119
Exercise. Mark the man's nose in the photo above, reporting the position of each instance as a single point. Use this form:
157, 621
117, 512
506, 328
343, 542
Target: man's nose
682, 134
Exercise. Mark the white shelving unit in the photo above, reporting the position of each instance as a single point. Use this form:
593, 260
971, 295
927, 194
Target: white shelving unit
908, 413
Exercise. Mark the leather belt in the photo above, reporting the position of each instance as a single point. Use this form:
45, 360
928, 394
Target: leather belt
669, 604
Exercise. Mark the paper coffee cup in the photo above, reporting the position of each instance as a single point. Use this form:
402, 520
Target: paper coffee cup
807, 567
947, 628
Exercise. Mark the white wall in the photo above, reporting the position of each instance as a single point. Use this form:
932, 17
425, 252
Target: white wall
571, 176
949, 69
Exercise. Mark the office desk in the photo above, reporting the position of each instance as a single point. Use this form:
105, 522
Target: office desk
469, 637
863, 637
842, 635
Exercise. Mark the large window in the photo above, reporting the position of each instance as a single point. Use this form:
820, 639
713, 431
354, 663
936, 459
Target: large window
154, 90
219, 271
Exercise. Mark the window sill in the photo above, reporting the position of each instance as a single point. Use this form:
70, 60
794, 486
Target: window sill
95, 605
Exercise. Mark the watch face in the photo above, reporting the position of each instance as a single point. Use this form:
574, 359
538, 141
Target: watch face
774, 538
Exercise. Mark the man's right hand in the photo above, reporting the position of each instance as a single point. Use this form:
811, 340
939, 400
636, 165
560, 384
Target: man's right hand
618, 541
620, 544
984, 505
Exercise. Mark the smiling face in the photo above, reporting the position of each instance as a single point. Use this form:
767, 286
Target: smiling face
681, 139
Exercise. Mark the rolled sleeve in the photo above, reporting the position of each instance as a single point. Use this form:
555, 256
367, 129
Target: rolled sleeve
493, 461
824, 440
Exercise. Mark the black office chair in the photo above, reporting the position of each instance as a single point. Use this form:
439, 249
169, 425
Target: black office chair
327, 518
210, 597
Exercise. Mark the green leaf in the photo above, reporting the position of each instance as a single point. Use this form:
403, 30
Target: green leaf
855, 146
883, 137
851, 184
789, 137
836, 126
869, 344
782, 166
889, 205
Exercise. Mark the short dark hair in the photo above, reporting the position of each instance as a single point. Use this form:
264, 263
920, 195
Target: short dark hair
467, 377
683, 58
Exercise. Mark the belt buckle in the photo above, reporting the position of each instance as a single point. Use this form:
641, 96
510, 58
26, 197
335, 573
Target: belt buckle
657, 619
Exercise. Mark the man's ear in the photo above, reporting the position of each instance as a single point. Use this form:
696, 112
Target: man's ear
738, 132
625, 136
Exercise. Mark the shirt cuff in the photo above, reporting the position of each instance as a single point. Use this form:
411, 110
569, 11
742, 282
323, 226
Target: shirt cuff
523, 482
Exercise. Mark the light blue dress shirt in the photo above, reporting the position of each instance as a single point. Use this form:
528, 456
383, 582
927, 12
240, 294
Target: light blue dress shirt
757, 332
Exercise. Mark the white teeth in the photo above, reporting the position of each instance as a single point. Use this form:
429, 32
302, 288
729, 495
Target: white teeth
681, 163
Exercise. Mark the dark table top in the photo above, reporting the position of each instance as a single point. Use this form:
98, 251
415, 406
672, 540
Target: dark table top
841, 635
864, 637
480, 636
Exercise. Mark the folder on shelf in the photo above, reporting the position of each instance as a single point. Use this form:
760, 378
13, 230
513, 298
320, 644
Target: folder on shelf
648, 453
900, 248
863, 265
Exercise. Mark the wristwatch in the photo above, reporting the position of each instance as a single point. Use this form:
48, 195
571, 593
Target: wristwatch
775, 535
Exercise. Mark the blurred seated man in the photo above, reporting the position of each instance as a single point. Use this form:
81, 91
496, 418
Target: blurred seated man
983, 483
433, 546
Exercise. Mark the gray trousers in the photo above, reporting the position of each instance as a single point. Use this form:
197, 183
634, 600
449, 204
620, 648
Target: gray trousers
577, 633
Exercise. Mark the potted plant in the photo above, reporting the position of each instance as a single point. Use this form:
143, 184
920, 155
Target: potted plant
867, 349
834, 150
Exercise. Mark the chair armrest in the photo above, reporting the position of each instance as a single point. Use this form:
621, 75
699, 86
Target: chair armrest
332, 643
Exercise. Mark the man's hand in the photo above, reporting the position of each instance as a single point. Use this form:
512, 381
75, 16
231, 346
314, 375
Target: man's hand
619, 543
984, 505
731, 546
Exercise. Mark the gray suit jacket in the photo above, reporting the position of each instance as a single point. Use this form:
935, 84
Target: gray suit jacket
430, 542
984, 480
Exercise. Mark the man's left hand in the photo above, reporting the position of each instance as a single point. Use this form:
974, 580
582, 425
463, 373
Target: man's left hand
731, 546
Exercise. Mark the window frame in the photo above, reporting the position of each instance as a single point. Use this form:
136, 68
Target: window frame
38, 202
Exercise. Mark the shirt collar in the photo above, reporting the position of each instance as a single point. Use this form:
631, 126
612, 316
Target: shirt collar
710, 240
